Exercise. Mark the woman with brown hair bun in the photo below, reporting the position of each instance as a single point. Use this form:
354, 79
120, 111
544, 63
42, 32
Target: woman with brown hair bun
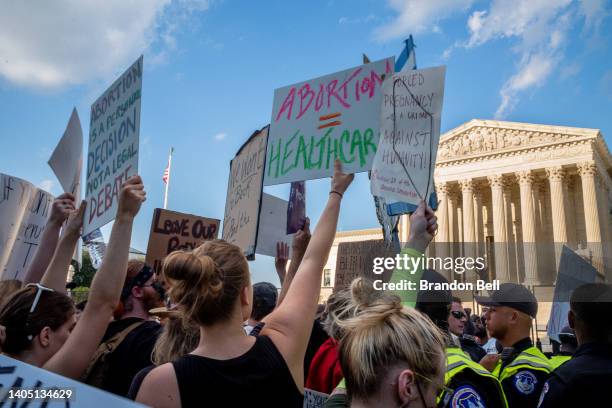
211, 286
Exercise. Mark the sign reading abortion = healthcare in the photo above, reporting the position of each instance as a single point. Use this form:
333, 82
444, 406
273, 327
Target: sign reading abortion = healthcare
172, 231
112, 157
316, 121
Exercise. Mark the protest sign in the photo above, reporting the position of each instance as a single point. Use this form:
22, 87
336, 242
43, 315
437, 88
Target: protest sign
24, 385
94, 241
172, 231
244, 193
24, 210
112, 157
272, 225
316, 121
574, 271
314, 399
67, 158
409, 135
296, 211
355, 259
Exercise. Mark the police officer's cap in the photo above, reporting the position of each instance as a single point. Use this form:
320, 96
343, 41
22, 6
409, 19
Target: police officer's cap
511, 295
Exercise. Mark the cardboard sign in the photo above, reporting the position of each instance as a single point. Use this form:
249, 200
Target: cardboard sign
314, 399
272, 225
112, 157
24, 385
316, 121
355, 259
172, 231
244, 193
24, 210
67, 158
409, 135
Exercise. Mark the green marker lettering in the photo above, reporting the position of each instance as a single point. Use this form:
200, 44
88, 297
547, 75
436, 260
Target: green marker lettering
274, 158
329, 148
286, 153
368, 135
346, 135
357, 142
301, 150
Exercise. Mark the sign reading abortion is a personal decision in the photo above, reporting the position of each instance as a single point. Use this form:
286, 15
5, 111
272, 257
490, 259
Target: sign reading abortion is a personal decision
112, 157
316, 121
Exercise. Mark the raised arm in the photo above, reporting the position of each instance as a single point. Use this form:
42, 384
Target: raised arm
55, 275
298, 248
62, 207
290, 324
73, 358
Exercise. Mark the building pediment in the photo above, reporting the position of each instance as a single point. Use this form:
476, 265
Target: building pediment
488, 138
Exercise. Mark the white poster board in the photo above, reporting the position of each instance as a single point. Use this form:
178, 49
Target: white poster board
24, 210
243, 198
113, 146
67, 158
405, 172
272, 225
316, 121
18, 379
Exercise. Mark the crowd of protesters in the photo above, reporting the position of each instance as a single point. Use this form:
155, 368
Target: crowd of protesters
199, 333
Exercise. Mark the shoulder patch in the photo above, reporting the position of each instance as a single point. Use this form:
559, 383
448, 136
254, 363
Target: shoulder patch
525, 382
543, 394
466, 397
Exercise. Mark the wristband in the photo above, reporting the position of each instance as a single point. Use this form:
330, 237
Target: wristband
337, 192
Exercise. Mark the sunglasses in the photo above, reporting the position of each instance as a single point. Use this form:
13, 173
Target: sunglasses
39, 290
458, 315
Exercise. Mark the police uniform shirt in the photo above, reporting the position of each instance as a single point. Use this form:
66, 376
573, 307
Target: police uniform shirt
584, 381
471, 390
524, 387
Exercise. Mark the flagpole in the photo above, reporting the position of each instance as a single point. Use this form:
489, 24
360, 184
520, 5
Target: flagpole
168, 182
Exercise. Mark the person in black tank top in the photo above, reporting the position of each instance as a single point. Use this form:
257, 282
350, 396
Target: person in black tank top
211, 287
261, 372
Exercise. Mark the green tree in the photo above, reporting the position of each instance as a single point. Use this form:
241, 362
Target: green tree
84, 275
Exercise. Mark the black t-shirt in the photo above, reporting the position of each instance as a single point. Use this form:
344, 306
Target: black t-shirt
583, 381
260, 373
132, 355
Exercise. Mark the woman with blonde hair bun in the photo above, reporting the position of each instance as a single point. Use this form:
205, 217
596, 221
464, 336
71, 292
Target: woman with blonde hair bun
391, 356
212, 288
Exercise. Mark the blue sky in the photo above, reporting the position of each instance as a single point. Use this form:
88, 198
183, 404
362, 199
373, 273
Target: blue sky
211, 68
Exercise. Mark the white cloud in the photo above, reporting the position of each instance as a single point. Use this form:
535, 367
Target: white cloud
220, 136
48, 44
418, 16
47, 185
594, 12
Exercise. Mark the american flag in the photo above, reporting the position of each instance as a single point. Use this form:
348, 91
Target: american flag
167, 172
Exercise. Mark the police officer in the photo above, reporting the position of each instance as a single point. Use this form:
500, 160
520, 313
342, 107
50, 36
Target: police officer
568, 347
469, 385
522, 368
585, 380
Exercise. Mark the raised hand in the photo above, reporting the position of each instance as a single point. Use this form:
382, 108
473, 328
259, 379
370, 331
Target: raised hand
301, 239
340, 181
131, 197
280, 262
62, 207
423, 226
75, 220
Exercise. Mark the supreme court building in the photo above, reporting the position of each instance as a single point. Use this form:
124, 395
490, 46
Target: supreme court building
516, 192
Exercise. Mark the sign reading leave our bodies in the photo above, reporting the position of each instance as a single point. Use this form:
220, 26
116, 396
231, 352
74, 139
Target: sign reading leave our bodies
243, 199
409, 135
113, 146
172, 231
19, 382
334, 116
24, 210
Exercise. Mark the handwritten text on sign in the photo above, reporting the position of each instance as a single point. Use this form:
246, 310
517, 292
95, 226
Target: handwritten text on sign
244, 193
24, 210
172, 231
406, 172
315, 122
113, 146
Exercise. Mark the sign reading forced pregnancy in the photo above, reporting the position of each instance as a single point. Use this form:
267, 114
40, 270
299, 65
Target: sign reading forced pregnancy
113, 146
316, 121
409, 135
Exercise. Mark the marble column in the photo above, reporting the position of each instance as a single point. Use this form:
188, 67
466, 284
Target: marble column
499, 227
556, 178
568, 186
528, 224
442, 212
479, 217
467, 192
588, 172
